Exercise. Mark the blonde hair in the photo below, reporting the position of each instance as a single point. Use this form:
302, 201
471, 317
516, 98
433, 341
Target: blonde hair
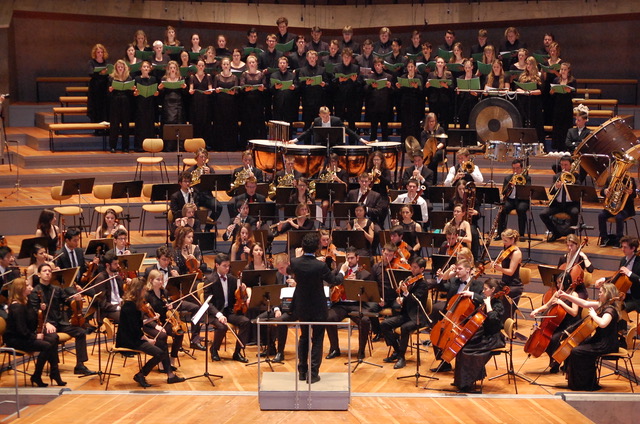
16, 291
511, 233
125, 73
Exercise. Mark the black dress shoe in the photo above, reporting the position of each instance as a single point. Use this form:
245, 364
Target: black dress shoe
113, 150
239, 357
400, 364
553, 238
175, 379
302, 375
555, 368
392, 358
314, 379
279, 357
139, 378
377, 338
333, 354
215, 356
443, 367
198, 346
360, 356
82, 370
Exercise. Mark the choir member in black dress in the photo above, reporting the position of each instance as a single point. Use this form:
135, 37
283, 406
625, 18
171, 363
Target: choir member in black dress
581, 363
131, 336
471, 359
428, 137
283, 35
563, 106
529, 102
252, 102
119, 107
200, 87
184, 62
347, 98
22, 333
98, 100
383, 45
312, 95
548, 76
456, 59
440, 97
159, 61
411, 102
225, 120
195, 47
222, 50
172, 110
347, 41
466, 100
298, 58
47, 227
237, 65
482, 42
379, 100
140, 42
511, 43
285, 100
131, 59
497, 79
145, 107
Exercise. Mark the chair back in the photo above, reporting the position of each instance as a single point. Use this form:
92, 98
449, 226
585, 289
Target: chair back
3, 326
153, 145
508, 328
428, 305
193, 144
55, 194
630, 339
103, 191
146, 190
525, 275
200, 291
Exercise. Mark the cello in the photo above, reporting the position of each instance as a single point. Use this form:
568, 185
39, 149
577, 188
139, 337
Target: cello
539, 340
469, 329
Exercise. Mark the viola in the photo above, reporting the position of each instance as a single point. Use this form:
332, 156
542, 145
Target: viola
504, 255
40, 327
469, 329
147, 310
410, 281
91, 269
77, 316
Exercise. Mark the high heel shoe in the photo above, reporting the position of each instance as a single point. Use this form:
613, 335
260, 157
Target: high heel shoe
36, 380
55, 376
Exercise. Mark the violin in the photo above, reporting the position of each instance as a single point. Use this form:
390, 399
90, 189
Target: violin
241, 300
77, 316
91, 269
173, 317
402, 253
504, 255
410, 281
147, 310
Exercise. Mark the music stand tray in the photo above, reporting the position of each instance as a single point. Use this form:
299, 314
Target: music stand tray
65, 277
176, 132
162, 191
395, 211
462, 138
586, 193
367, 290
261, 188
438, 219
338, 191
182, 283
294, 237
27, 246
236, 267
438, 261
531, 192
342, 210
440, 194
265, 210
289, 211
548, 274
206, 241
259, 277
283, 194
329, 136
131, 262
522, 135
77, 186
400, 274
105, 243
349, 238
429, 239
128, 189
260, 295
488, 195
214, 182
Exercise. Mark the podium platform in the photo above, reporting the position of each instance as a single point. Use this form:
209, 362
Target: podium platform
278, 391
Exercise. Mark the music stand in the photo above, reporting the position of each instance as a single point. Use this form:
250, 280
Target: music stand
549, 274
265, 297
461, 138
346, 238
522, 136
78, 186
104, 244
584, 194
333, 192
206, 241
127, 189
236, 267
283, 194
399, 274
344, 210
440, 194
213, 183
264, 211
177, 132
289, 211
438, 219
184, 284
361, 291
396, 207
438, 261
329, 136
294, 238
261, 188
488, 195
65, 277
530, 192
27, 246
259, 277
131, 262
194, 320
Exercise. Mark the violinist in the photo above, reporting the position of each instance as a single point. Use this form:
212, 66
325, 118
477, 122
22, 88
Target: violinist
375, 205
241, 247
47, 228
223, 290
109, 225
51, 299
131, 336
39, 256
418, 172
562, 202
404, 253
463, 280
411, 296
381, 276
157, 298
257, 260
448, 246
508, 263
327, 251
120, 245
457, 172
166, 268
412, 197
184, 251
380, 174
581, 363
70, 255
510, 200
471, 360
111, 290
364, 224
342, 308
22, 333
629, 267
205, 198
409, 228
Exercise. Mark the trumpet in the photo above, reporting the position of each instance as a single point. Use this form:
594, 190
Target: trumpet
375, 175
467, 167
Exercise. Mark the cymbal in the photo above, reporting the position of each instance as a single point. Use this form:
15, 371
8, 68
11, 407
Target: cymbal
411, 144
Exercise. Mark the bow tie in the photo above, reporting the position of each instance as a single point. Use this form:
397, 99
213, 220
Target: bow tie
165, 270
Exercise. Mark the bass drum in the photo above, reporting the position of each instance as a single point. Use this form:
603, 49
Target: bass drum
595, 150
491, 118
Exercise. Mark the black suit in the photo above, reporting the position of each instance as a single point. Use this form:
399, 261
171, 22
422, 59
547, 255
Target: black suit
352, 137
573, 139
560, 204
217, 304
521, 207
176, 202
108, 309
309, 304
376, 205
206, 200
425, 172
64, 261
234, 204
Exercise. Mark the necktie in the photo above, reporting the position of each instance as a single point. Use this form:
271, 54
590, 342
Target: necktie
363, 197
120, 252
72, 256
115, 293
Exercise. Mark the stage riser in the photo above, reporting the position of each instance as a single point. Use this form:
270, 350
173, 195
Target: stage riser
607, 408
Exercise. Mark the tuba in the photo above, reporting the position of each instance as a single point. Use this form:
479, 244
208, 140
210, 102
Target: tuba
239, 181
620, 183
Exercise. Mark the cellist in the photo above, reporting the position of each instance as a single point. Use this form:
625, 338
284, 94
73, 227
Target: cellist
471, 360
463, 280
629, 267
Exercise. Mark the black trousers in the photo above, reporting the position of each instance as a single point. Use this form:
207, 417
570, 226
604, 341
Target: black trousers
80, 335
162, 337
317, 337
48, 348
158, 353
340, 311
407, 326
521, 207
570, 208
240, 321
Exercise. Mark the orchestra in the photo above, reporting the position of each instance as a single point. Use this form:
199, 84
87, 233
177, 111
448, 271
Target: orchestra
148, 310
